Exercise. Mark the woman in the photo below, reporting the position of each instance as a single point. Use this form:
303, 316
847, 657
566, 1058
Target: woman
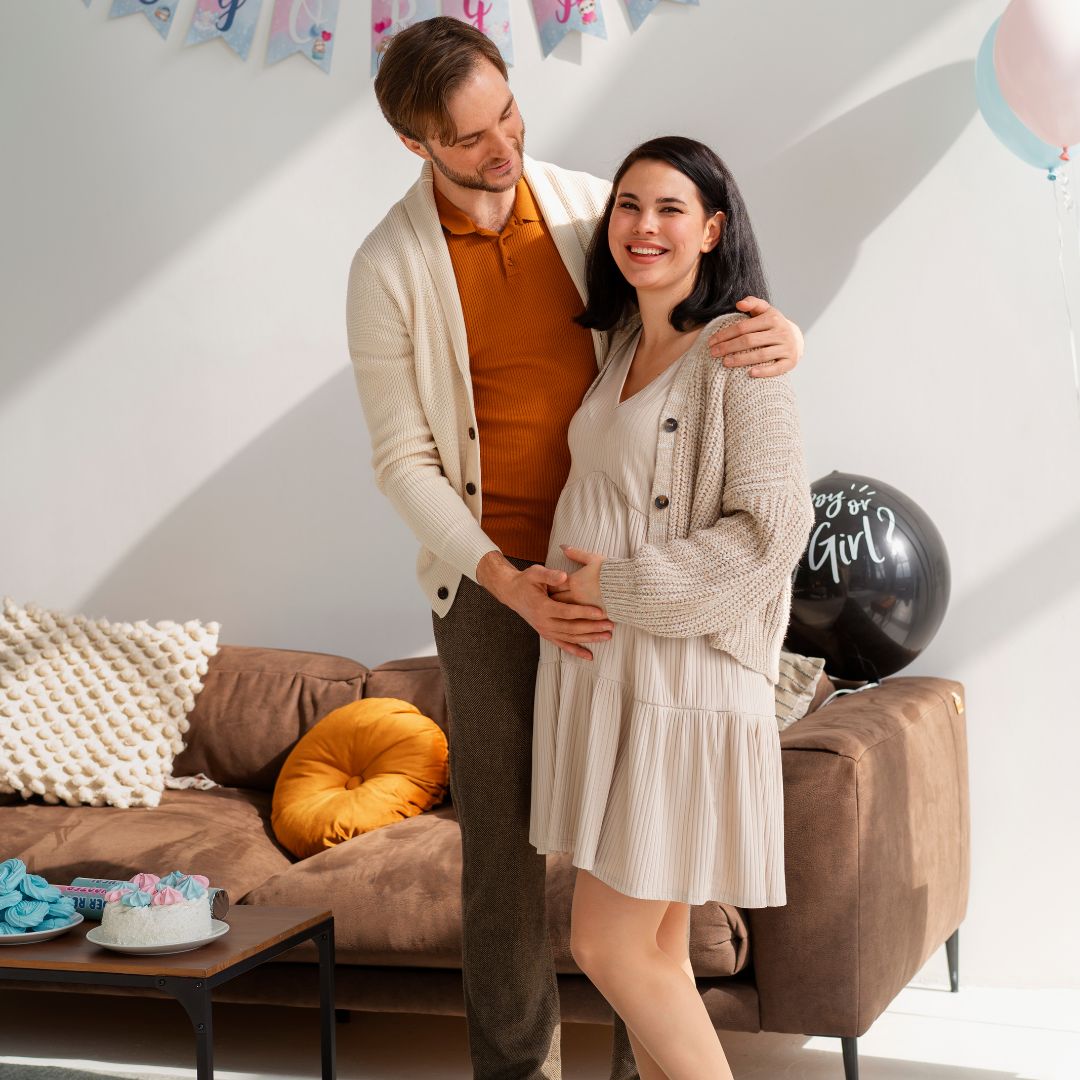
657, 763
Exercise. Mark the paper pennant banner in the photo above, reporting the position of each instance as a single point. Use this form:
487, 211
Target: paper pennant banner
231, 20
491, 17
303, 26
159, 12
556, 18
640, 10
390, 16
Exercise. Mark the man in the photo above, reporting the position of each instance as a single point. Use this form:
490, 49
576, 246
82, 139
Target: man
469, 367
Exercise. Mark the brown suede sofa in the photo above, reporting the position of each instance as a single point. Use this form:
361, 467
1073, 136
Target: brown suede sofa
876, 830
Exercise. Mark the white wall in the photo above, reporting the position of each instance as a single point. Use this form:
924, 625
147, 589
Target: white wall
180, 435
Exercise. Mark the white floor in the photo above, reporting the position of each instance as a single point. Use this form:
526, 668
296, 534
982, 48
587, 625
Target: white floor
978, 1034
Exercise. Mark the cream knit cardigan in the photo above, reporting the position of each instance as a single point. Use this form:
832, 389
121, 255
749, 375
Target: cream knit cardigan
730, 514
411, 361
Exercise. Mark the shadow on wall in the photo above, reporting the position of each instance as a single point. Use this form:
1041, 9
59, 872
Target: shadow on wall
816, 203
288, 545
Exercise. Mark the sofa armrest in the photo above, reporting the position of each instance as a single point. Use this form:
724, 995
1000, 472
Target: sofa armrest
876, 829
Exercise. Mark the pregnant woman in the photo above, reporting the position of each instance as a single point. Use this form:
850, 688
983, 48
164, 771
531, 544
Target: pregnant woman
656, 764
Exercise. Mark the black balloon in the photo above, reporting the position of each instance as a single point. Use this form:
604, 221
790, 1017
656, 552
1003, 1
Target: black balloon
873, 585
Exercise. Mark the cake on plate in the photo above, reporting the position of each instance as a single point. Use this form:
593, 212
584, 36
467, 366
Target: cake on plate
148, 910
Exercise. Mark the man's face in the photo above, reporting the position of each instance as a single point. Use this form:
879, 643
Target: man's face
487, 155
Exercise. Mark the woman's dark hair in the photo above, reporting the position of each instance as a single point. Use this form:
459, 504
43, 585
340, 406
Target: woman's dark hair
732, 270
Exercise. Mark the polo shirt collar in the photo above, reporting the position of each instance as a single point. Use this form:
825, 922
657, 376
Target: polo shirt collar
458, 223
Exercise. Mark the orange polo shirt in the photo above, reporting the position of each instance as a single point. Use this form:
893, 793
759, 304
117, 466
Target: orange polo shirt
530, 366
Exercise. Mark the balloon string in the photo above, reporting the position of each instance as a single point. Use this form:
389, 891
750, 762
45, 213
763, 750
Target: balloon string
1065, 201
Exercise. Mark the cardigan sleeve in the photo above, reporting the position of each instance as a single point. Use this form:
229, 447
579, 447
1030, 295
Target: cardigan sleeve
408, 469
718, 575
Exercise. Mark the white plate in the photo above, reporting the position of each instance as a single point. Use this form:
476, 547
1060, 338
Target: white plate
217, 929
39, 935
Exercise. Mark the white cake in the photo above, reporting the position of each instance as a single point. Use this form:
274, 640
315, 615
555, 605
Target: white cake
149, 910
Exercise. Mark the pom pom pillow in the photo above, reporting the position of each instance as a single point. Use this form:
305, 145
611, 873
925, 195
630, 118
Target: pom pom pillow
91, 711
369, 763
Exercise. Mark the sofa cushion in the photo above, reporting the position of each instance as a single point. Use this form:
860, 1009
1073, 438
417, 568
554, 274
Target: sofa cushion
224, 834
396, 897
366, 765
255, 704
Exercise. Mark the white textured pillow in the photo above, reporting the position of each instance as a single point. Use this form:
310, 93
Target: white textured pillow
795, 690
92, 711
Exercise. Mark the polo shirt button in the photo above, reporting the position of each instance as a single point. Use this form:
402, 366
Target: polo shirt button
472, 433
670, 424
443, 592
470, 488
660, 502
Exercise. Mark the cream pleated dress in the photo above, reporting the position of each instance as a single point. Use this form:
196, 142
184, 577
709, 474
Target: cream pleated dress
657, 764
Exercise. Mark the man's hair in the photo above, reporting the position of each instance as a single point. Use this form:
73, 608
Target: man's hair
421, 68
732, 270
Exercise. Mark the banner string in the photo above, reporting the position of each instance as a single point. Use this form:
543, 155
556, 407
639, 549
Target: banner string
1064, 203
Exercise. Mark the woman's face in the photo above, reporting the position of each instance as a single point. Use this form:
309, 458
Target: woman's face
659, 229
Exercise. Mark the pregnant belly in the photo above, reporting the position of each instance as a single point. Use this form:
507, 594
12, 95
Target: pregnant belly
594, 515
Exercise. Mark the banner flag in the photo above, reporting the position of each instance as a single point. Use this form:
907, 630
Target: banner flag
231, 20
556, 18
640, 10
303, 26
159, 12
390, 16
491, 17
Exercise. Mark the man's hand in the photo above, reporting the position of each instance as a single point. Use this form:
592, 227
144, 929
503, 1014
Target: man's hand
766, 342
570, 626
582, 586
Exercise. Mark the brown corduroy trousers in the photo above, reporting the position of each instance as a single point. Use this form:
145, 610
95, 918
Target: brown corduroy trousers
488, 656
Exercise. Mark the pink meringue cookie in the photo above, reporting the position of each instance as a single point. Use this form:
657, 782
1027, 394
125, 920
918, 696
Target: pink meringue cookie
166, 896
146, 882
113, 895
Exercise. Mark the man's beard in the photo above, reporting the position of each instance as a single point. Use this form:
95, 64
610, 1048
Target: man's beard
476, 181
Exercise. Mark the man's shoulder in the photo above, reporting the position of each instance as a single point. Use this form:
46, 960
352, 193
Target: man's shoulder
569, 182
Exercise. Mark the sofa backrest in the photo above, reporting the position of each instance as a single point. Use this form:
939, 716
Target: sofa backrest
255, 704
418, 679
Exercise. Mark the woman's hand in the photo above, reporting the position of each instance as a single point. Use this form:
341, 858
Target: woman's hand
582, 586
766, 342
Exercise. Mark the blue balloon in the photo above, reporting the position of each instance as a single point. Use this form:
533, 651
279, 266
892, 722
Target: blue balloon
1000, 118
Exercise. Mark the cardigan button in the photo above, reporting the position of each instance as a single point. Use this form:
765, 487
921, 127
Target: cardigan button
670, 424
470, 488
660, 502
472, 433
443, 592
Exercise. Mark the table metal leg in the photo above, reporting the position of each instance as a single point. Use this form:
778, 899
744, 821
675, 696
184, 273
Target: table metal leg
325, 943
194, 995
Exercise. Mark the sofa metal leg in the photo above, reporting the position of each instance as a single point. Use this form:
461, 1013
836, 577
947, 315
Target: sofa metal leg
952, 954
850, 1047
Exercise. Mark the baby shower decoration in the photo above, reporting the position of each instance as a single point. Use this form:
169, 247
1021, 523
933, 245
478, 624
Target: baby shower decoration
303, 26
159, 12
309, 27
231, 20
1027, 82
556, 18
640, 10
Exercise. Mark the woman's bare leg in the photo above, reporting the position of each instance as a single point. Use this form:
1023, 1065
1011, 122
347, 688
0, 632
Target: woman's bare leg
615, 941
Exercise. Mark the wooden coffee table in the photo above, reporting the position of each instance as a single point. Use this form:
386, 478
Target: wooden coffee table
256, 935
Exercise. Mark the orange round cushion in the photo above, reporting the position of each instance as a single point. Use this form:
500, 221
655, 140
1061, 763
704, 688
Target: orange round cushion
367, 764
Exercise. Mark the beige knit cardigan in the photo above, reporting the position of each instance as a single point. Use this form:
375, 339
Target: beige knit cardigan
730, 514
411, 360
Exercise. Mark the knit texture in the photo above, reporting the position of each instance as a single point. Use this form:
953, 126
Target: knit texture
730, 517
410, 356
91, 711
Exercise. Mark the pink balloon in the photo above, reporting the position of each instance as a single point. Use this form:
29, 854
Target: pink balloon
1037, 61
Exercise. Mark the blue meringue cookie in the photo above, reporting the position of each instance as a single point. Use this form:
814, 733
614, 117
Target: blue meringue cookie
136, 898
61, 908
55, 923
37, 888
26, 914
6, 929
9, 899
12, 873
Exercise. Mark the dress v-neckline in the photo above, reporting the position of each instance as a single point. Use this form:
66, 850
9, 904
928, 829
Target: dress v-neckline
631, 348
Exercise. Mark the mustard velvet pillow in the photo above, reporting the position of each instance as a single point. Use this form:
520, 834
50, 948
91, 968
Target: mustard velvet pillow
365, 765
